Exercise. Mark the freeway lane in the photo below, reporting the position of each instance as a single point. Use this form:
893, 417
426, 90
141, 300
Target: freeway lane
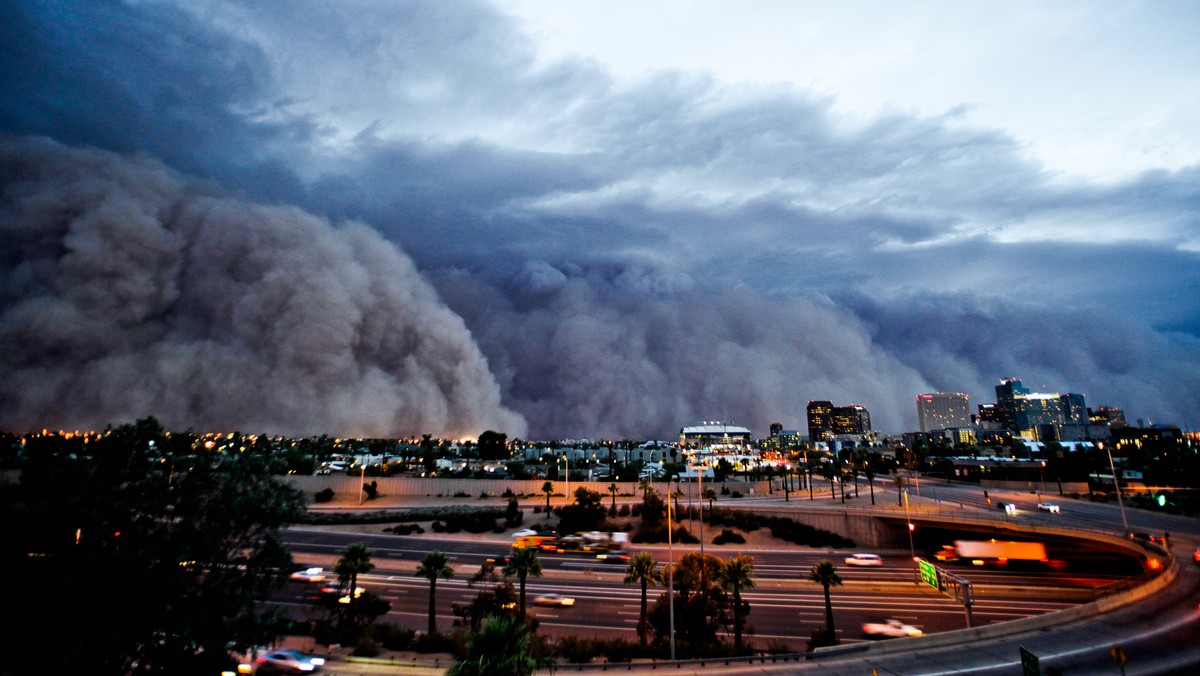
606, 607
785, 607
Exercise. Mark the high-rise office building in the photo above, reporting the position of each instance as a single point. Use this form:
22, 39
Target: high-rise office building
1073, 408
1034, 410
1113, 417
943, 410
776, 428
1006, 391
852, 419
991, 414
820, 419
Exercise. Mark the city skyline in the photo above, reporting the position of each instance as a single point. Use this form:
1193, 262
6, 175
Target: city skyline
376, 219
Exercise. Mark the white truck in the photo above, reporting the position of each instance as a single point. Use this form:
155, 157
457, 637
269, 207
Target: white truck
992, 552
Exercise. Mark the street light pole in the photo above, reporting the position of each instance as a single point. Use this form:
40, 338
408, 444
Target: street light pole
808, 475
671, 574
362, 484
1120, 502
700, 489
911, 550
567, 464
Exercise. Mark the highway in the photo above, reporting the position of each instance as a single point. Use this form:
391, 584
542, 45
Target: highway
1157, 634
785, 606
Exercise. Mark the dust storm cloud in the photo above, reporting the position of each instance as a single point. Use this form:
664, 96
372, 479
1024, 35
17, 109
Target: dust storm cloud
128, 289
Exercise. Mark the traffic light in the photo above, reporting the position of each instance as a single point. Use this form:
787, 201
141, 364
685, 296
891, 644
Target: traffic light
1162, 499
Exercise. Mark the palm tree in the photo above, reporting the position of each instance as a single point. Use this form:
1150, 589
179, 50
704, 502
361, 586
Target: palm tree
825, 574
499, 648
643, 568
710, 495
737, 574
548, 488
432, 567
612, 488
523, 562
355, 560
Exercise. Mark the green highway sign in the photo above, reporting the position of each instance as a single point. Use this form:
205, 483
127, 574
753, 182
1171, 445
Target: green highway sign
929, 574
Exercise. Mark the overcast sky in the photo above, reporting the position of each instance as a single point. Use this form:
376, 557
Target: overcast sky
619, 218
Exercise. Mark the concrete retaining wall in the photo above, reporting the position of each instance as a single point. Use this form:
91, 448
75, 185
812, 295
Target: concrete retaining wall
1048, 488
348, 488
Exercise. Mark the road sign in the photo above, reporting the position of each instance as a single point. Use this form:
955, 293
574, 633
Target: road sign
1118, 656
928, 574
1029, 663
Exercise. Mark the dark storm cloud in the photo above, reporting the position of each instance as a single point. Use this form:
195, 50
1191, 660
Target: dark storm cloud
634, 256
128, 290
966, 344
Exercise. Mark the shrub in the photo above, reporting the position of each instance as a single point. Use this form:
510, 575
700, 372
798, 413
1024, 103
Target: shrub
576, 649
821, 638
724, 490
513, 516
658, 534
460, 494
438, 527
324, 495
620, 650
623, 510
434, 643
371, 489
366, 647
392, 637
727, 536
508, 493
736, 494
778, 647
405, 529
472, 522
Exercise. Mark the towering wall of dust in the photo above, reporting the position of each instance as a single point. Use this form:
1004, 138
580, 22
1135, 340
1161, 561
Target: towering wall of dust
127, 289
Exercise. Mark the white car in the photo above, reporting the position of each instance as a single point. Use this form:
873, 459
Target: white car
309, 575
864, 560
553, 600
1049, 507
524, 532
289, 660
890, 629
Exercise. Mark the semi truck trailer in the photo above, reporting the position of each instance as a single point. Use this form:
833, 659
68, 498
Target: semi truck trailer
992, 552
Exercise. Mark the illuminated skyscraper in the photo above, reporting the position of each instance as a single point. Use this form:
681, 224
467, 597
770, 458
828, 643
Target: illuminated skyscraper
820, 419
943, 410
1073, 408
852, 419
1032, 411
1006, 391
